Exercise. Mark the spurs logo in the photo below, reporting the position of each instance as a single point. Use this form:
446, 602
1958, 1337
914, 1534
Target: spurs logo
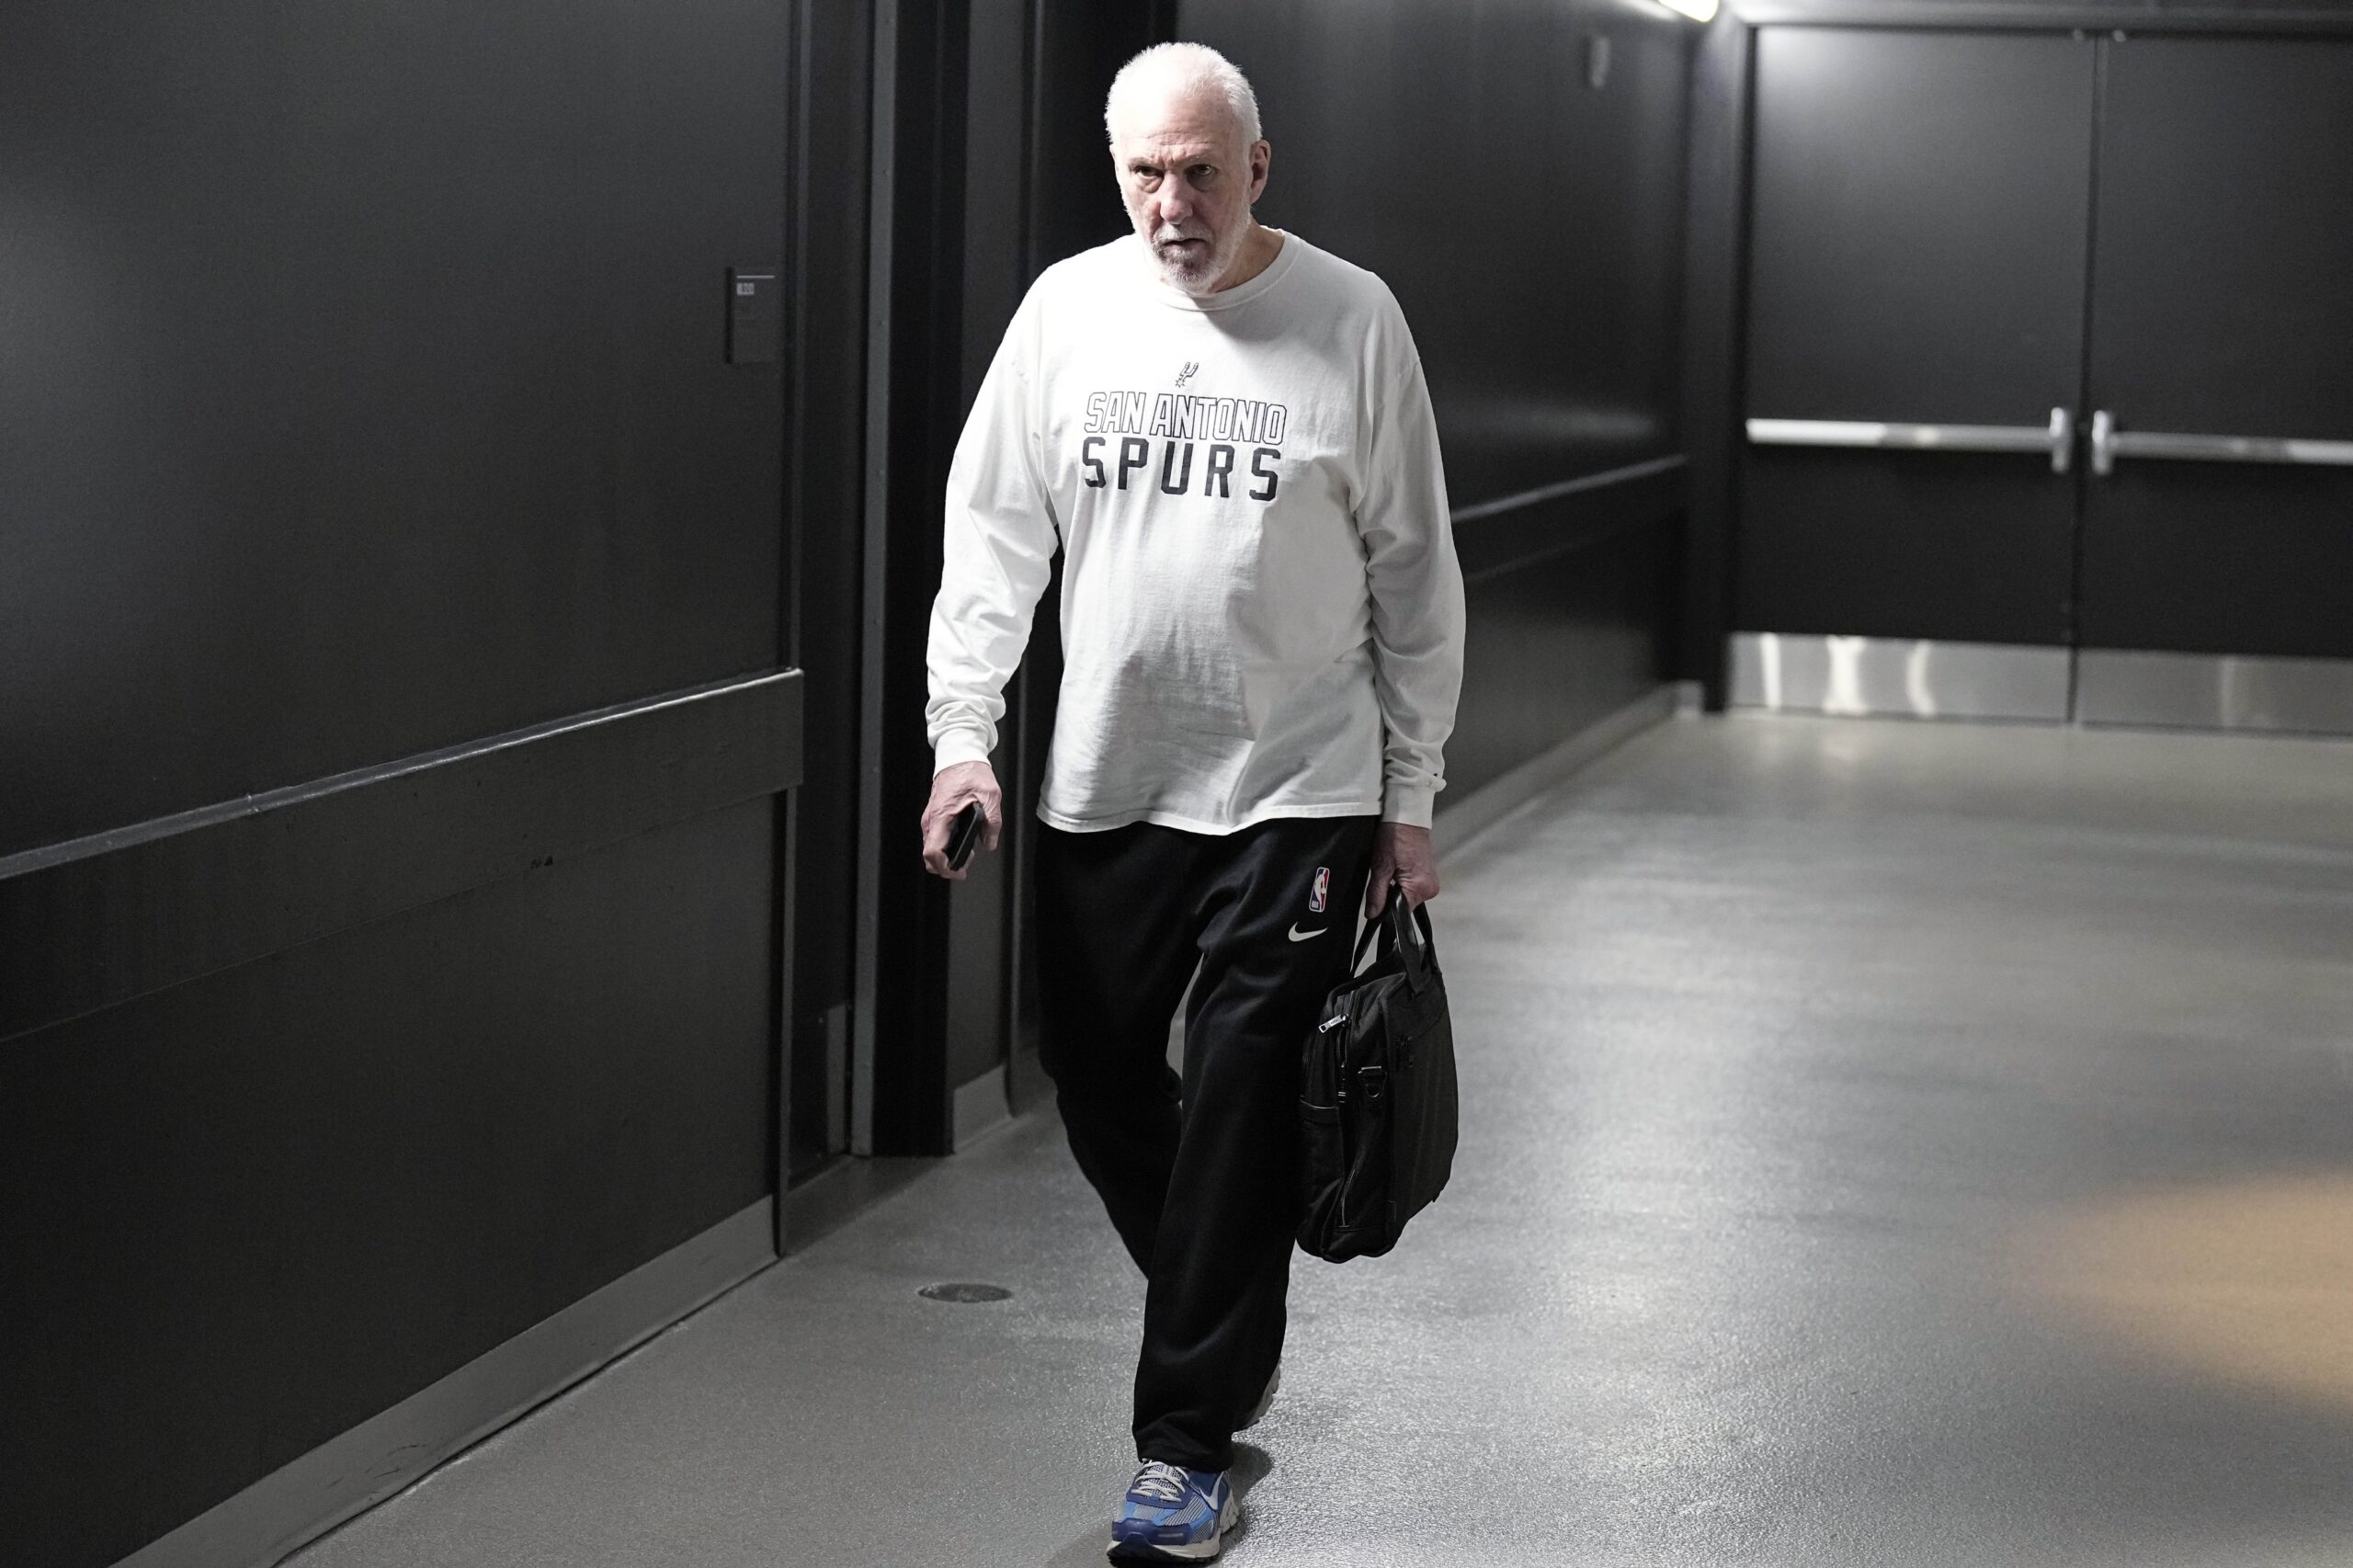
1187, 373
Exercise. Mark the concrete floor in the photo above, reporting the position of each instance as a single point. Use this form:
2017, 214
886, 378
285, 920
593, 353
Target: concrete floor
1884, 1145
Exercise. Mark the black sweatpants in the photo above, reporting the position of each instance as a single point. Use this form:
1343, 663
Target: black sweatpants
1201, 1173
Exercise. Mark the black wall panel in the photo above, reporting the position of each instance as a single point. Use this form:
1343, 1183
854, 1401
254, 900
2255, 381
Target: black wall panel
2219, 302
1530, 224
246, 1213
1918, 249
1079, 46
923, 294
1715, 263
363, 394
2221, 305
364, 389
1961, 546
1588, 617
828, 383
96, 922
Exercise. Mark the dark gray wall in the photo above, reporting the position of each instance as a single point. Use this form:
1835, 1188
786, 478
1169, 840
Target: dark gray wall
244, 1214
363, 391
1714, 328
1531, 227
363, 394
825, 485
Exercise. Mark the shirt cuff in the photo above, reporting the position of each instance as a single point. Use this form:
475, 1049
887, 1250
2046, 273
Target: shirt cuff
1408, 804
959, 746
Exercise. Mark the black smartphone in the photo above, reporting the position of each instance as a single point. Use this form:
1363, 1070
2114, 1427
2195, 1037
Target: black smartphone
964, 834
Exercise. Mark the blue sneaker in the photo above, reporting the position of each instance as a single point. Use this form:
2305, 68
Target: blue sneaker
1171, 1515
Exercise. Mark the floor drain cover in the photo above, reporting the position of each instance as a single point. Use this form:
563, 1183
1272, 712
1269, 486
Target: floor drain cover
965, 1292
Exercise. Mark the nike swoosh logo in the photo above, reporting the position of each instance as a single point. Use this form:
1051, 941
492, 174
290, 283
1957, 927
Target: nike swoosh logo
1299, 936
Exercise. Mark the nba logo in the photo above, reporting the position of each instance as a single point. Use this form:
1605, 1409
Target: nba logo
1323, 886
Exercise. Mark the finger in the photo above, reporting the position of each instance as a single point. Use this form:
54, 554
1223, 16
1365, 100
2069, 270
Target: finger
935, 842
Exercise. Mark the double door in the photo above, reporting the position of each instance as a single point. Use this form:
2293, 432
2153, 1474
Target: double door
2050, 411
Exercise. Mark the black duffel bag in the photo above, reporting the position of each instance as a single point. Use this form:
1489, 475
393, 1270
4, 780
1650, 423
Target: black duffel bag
1377, 1104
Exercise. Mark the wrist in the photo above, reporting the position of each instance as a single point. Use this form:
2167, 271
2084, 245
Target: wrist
1408, 805
958, 746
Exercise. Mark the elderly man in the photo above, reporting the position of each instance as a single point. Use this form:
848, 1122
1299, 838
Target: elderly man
1227, 432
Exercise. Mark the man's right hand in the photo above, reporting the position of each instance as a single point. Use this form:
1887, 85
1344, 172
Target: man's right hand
953, 788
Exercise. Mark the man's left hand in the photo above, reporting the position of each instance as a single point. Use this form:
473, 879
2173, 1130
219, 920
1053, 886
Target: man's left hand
1407, 854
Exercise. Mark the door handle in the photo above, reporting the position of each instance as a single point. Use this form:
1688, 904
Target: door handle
2057, 437
2109, 444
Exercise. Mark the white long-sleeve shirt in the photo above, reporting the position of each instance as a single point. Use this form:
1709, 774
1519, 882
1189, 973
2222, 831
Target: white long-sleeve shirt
1261, 610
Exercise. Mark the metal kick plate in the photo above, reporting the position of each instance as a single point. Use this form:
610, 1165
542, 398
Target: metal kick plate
2215, 691
1783, 672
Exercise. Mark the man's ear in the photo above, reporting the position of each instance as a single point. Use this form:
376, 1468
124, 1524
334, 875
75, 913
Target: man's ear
1262, 156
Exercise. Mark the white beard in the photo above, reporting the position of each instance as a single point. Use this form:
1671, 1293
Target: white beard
1198, 277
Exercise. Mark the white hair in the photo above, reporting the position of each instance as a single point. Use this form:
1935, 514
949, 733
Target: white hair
1176, 70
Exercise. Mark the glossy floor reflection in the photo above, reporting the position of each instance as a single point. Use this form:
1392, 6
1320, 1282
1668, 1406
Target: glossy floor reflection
1884, 1145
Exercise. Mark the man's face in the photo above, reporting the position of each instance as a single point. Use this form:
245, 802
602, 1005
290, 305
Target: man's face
1188, 180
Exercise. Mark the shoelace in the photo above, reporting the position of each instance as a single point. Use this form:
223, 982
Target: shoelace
1161, 1482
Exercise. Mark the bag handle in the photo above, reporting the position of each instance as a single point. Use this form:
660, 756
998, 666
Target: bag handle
1364, 939
1412, 949
1411, 939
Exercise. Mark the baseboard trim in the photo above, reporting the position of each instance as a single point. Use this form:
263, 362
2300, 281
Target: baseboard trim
824, 1202
295, 1505
980, 1106
1865, 676
1026, 1083
2252, 694
1459, 821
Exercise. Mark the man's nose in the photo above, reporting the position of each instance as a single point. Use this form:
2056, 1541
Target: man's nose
1175, 201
